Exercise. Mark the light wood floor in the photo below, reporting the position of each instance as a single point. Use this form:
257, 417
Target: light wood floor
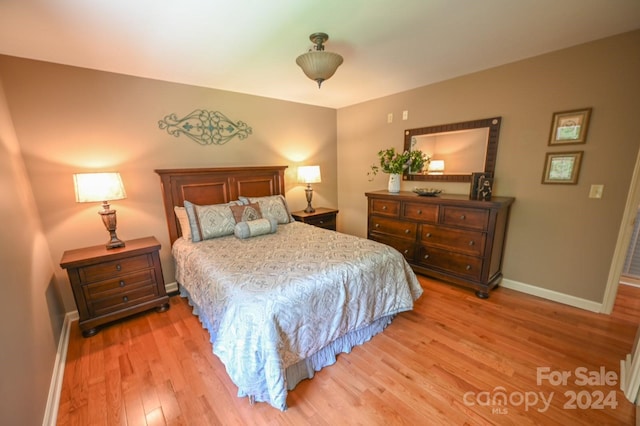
442, 363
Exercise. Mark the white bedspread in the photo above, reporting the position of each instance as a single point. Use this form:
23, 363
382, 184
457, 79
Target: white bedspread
271, 301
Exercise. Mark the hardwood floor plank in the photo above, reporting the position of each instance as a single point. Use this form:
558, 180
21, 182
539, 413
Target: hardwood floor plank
451, 360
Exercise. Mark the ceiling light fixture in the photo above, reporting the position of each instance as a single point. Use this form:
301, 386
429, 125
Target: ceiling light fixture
317, 64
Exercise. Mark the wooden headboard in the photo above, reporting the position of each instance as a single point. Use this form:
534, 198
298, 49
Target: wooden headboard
215, 186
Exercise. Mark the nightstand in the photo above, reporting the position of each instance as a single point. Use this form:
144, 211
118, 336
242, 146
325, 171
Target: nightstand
112, 284
322, 217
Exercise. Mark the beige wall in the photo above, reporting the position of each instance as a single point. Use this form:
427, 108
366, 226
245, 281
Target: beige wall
31, 312
558, 238
71, 119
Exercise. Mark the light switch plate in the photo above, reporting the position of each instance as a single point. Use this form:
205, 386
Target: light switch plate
596, 191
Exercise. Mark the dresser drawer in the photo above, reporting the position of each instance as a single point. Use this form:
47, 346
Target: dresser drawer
122, 300
458, 240
124, 283
465, 218
385, 207
407, 248
397, 228
421, 212
454, 263
92, 273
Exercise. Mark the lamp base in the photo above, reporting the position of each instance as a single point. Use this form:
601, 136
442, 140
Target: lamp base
309, 194
109, 220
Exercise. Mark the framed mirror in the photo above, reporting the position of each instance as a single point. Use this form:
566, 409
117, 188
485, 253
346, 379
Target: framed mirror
456, 149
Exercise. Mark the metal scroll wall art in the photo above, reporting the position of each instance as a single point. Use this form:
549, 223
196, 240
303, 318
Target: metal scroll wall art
205, 127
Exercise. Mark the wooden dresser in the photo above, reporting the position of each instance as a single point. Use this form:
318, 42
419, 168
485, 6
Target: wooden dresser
448, 237
112, 284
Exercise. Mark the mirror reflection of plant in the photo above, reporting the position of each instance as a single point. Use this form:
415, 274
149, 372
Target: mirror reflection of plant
394, 162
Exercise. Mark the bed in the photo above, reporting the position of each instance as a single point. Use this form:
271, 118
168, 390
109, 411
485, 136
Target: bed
279, 301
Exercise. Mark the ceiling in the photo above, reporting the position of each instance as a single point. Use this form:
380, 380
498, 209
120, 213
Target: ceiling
250, 46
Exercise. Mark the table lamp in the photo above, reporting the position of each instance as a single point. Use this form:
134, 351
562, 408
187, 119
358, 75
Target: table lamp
105, 187
309, 175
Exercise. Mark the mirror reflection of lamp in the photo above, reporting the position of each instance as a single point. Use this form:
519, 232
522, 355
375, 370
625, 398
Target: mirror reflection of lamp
105, 187
436, 167
309, 175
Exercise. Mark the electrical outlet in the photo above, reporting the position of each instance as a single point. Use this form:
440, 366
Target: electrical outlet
390, 117
405, 114
596, 191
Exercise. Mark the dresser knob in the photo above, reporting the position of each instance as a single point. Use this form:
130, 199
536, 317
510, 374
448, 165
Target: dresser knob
428, 234
384, 207
426, 256
406, 231
122, 283
471, 243
321, 222
462, 217
468, 267
406, 251
125, 299
419, 211
377, 225
118, 267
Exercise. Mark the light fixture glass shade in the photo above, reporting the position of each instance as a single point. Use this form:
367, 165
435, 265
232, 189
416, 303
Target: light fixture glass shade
319, 65
93, 187
309, 174
436, 167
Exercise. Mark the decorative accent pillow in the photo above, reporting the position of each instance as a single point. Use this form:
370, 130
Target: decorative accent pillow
272, 207
246, 213
255, 228
183, 219
211, 221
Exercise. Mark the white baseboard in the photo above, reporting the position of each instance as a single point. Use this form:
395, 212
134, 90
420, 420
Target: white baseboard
53, 400
555, 296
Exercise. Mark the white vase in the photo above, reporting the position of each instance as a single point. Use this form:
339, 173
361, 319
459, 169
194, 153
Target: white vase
394, 182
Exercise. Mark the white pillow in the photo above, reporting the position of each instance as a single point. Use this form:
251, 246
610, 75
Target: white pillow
183, 219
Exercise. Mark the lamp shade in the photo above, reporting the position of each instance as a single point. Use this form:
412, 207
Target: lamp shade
93, 187
309, 174
436, 167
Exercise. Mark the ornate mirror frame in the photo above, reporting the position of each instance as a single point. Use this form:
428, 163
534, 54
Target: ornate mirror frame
492, 147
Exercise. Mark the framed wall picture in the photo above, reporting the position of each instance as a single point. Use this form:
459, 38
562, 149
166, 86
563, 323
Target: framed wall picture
475, 182
562, 167
569, 127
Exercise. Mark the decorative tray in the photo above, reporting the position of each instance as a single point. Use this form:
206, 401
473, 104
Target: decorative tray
427, 192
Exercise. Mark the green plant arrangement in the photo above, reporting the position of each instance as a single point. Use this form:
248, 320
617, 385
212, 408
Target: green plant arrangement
393, 162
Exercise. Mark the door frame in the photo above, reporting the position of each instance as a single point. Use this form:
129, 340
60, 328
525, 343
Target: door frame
624, 239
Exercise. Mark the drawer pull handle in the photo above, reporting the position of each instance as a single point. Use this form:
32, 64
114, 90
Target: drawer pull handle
419, 211
384, 207
472, 243
426, 256
428, 234
406, 231
377, 225
406, 251
321, 222
118, 267
462, 217
468, 267
125, 299
122, 283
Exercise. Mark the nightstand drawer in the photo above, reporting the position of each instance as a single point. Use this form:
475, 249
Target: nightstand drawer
98, 272
118, 285
328, 222
122, 300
